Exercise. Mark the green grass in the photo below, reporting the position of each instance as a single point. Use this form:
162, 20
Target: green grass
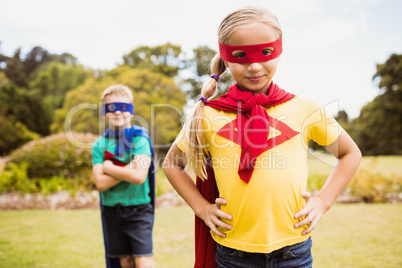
353, 235
386, 165
359, 235
64, 238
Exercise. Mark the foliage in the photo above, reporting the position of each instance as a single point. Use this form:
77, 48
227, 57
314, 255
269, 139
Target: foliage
13, 134
15, 178
60, 183
162, 184
199, 66
158, 103
26, 107
365, 186
315, 182
390, 73
53, 164
14, 69
378, 129
375, 188
55, 79
165, 59
55, 155
21, 70
31, 87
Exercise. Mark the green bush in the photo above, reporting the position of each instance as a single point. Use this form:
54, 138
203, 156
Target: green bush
375, 188
315, 182
53, 156
365, 186
16, 179
13, 134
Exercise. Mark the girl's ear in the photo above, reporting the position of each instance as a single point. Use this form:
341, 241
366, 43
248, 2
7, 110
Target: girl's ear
226, 63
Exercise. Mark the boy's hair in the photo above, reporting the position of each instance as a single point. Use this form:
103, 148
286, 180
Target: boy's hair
118, 90
247, 16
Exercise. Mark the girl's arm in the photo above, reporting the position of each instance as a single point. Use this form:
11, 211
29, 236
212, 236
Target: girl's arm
349, 156
102, 180
173, 166
136, 172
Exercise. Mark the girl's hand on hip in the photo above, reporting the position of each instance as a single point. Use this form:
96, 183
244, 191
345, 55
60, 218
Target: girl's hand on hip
313, 212
213, 215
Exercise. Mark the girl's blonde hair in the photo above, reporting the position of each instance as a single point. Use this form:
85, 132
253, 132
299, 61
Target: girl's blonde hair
196, 149
118, 90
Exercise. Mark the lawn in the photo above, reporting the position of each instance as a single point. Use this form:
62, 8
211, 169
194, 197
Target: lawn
386, 165
350, 235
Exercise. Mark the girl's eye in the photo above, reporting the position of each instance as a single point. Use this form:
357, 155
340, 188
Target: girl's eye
239, 54
267, 52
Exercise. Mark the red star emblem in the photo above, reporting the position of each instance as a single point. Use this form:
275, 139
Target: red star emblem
229, 131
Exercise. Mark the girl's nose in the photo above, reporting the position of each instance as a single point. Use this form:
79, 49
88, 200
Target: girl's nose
255, 66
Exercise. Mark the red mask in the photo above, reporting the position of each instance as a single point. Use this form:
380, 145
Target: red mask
253, 53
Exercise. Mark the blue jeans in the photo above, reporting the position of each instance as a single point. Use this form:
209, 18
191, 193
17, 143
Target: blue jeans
297, 255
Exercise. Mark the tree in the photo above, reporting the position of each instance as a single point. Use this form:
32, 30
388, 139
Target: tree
390, 73
165, 59
34, 59
33, 87
14, 69
378, 129
13, 133
158, 103
200, 69
55, 79
26, 107
21, 71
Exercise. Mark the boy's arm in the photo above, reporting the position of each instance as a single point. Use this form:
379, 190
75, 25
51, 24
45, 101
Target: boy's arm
136, 172
173, 166
349, 157
102, 180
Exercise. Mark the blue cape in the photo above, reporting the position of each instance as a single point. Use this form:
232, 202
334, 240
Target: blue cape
129, 133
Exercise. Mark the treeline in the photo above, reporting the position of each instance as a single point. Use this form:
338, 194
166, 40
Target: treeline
43, 93
378, 128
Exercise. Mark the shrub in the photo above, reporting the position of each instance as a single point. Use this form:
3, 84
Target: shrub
16, 179
53, 156
315, 182
13, 134
374, 187
162, 184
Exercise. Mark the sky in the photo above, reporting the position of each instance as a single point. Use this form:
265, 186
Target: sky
330, 48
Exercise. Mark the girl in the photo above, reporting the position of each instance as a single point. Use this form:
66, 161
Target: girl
253, 142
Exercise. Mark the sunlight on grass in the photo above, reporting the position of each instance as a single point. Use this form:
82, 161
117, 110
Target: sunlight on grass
44, 238
386, 165
349, 235
359, 235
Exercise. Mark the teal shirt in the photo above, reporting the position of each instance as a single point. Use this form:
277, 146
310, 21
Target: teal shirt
124, 193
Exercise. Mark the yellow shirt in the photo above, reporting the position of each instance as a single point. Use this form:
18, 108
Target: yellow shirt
263, 210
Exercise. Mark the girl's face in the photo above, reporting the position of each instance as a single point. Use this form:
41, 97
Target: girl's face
118, 120
255, 77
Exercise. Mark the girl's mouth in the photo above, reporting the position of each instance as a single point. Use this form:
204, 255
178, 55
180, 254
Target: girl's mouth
255, 78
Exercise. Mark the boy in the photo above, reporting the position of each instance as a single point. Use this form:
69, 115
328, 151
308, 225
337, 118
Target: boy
124, 175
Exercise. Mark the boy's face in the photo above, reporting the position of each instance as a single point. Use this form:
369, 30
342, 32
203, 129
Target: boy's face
118, 120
